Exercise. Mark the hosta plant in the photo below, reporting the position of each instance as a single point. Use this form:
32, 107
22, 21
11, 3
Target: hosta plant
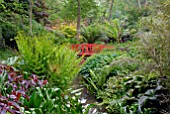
136, 94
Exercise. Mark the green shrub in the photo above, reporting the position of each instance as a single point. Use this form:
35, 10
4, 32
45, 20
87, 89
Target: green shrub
34, 51
133, 94
124, 66
68, 31
96, 62
156, 41
41, 56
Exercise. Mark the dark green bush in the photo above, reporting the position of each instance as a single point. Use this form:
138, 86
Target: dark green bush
12, 18
96, 62
133, 94
124, 66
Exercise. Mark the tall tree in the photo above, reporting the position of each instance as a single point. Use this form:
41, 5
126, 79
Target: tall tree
110, 9
139, 3
146, 3
103, 7
1, 39
30, 14
77, 10
78, 19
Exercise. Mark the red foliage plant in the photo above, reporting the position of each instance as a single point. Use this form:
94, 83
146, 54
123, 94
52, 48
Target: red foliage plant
15, 86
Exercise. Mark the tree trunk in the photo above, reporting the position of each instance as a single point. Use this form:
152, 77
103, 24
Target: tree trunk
139, 3
1, 39
1, 43
146, 3
105, 10
30, 14
78, 20
110, 9
104, 14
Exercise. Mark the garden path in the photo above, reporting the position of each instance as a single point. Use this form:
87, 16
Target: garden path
86, 98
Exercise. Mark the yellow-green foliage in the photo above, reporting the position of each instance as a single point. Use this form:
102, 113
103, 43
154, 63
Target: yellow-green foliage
64, 65
34, 51
68, 30
59, 64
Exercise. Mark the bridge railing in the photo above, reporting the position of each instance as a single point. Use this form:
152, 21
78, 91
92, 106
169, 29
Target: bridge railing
89, 49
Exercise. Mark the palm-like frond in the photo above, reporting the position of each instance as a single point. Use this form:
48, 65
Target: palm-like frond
114, 29
92, 34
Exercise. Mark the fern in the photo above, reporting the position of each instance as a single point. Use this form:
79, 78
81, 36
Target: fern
41, 56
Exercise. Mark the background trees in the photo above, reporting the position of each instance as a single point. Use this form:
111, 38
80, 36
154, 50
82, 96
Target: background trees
50, 13
13, 17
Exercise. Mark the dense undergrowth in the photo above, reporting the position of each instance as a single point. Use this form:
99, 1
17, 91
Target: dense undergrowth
122, 80
21, 89
126, 82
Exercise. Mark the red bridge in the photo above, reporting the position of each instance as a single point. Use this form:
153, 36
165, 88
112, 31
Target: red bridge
89, 49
